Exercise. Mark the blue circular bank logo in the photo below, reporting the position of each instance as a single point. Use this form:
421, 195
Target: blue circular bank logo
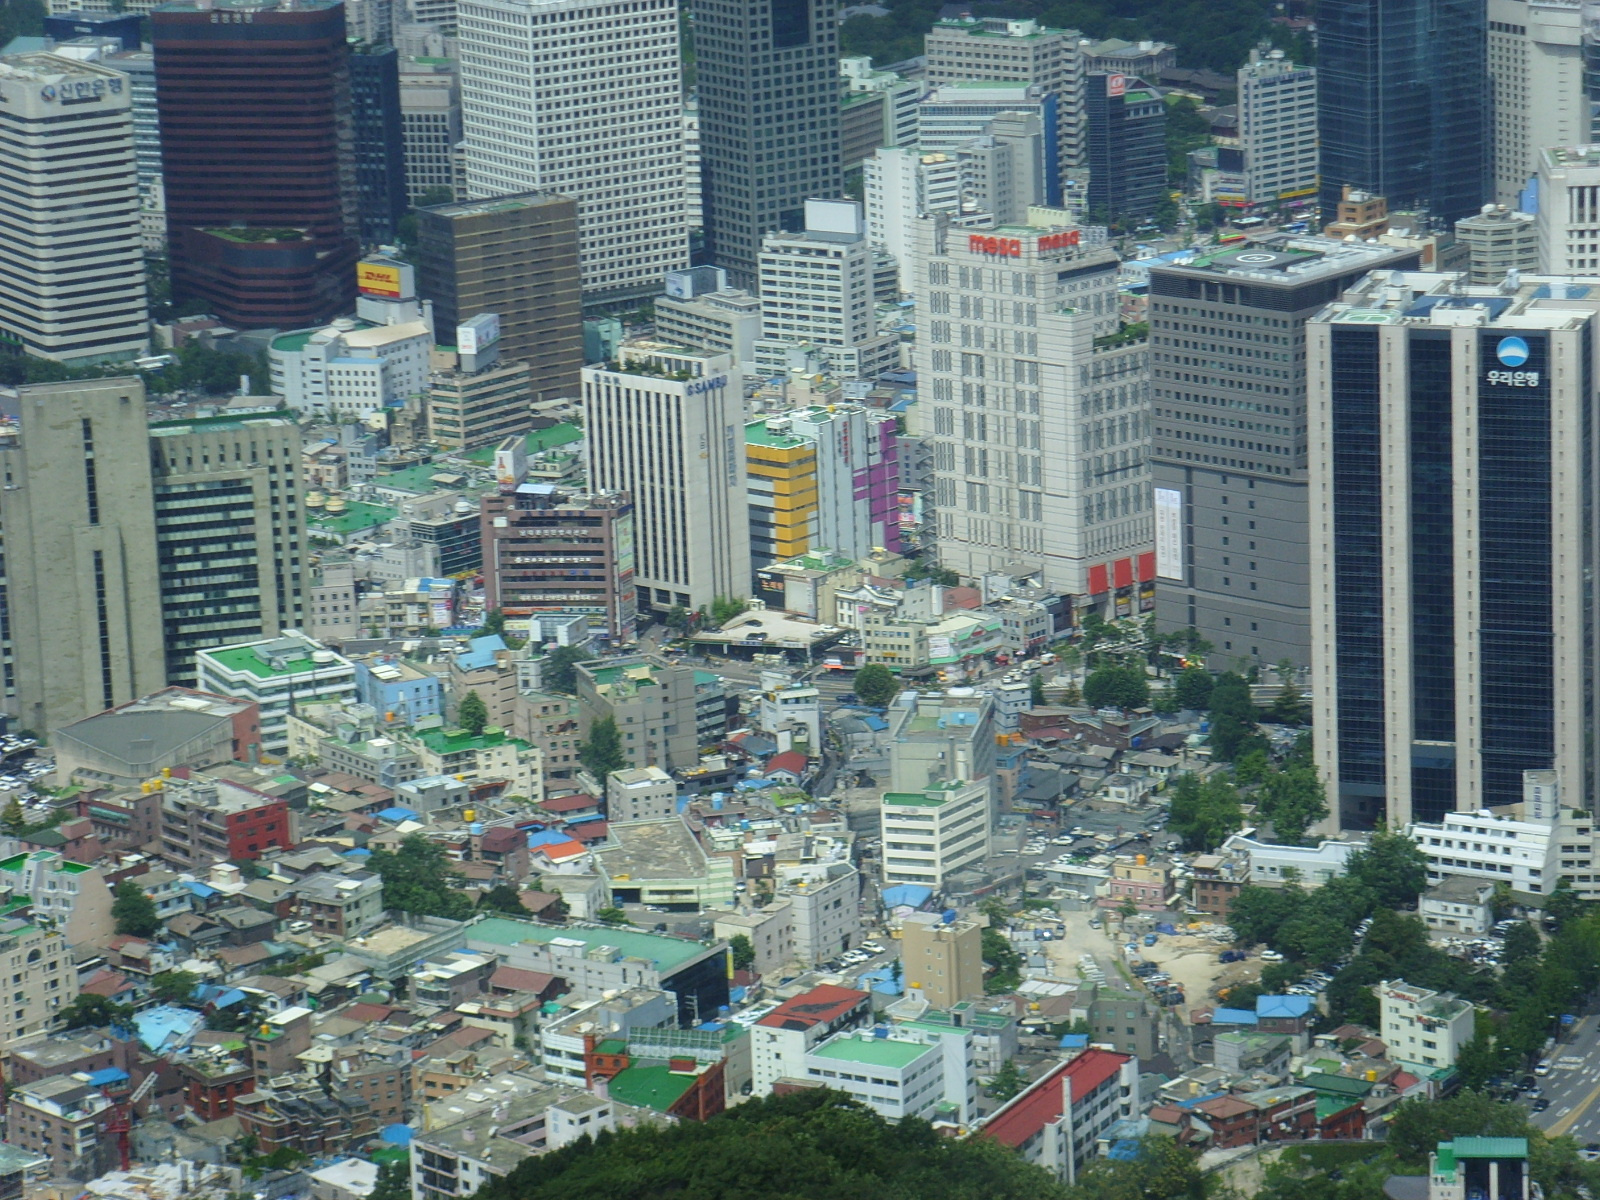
1512, 351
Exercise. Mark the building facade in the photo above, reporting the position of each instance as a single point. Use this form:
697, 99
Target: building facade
263, 224
943, 958
931, 834
1450, 634
1126, 135
72, 283
535, 119
1039, 418
430, 127
676, 446
1538, 95
379, 140
767, 75
1227, 341
1278, 130
1403, 102
276, 674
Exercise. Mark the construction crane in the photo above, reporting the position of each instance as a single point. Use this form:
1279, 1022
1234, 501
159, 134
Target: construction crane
121, 1121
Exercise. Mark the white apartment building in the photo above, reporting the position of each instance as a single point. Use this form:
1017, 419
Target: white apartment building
1536, 89
276, 674
72, 282
1278, 128
350, 368
677, 447
585, 99
931, 834
640, 794
1568, 219
781, 1040
900, 98
726, 321
896, 1076
1423, 1026
902, 183
822, 906
430, 125
817, 291
1040, 429
1523, 854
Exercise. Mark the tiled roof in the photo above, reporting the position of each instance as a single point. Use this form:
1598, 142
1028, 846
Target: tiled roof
1043, 1103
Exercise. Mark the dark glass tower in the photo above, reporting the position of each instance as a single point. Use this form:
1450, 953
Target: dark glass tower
768, 85
379, 141
1402, 99
256, 149
1127, 146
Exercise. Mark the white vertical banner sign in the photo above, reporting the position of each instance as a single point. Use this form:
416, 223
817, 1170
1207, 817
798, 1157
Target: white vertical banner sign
1169, 533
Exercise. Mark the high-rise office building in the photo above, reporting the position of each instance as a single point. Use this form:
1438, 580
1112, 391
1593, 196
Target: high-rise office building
1498, 240
1227, 340
72, 284
1278, 130
585, 99
140, 67
230, 532
1403, 103
1569, 209
676, 445
379, 141
1127, 124
1536, 86
128, 546
995, 48
1454, 621
256, 139
768, 80
1039, 436
430, 125
817, 292
83, 628
516, 256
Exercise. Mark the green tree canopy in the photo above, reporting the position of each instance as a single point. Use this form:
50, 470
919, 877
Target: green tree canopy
473, 714
1007, 1081
1036, 695
1116, 687
557, 673
173, 987
1193, 688
133, 911
744, 954
1204, 813
876, 685
503, 897
90, 1011
418, 879
601, 753
1293, 801
1393, 866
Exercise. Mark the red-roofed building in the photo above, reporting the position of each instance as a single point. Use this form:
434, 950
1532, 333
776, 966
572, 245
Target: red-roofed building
1056, 1123
1232, 1121
574, 807
556, 853
780, 1040
788, 767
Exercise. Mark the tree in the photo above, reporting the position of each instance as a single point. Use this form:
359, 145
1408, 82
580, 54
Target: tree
173, 987
494, 621
1293, 801
1116, 687
90, 1011
1071, 695
504, 898
418, 879
1005, 964
1163, 1169
1391, 865
473, 714
678, 618
14, 821
394, 1181
1036, 690
558, 673
876, 685
1203, 814
1193, 687
1562, 905
612, 916
744, 954
134, 912
602, 753
1007, 1081
1522, 942
726, 608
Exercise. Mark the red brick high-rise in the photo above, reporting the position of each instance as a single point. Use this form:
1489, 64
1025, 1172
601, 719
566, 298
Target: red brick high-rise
258, 159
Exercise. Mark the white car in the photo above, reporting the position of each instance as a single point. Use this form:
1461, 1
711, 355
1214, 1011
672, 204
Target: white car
872, 947
1271, 956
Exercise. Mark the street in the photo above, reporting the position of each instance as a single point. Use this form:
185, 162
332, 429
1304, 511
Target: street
1573, 1085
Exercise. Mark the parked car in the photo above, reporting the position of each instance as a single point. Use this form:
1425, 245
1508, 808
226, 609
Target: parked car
1271, 956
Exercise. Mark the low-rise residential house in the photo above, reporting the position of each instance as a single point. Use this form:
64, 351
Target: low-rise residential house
1459, 904
1423, 1026
340, 904
61, 1118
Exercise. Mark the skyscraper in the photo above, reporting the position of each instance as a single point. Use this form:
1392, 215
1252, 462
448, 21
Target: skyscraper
1403, 90
256, 141
1227, 340
430, 123
129, 547
1039, 437
1453, 632
667, 427
768, 81
379, 141
1537, 87
1127, 124
72, 283
1278, 129
583, 98
516, 256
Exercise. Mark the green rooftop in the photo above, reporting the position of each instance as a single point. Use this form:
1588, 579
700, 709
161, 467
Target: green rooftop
649, 1087
293, 343
872, 1051
454, 741
357, 515
1488, 1147
928, 798
666, 953
246, 658
757, 433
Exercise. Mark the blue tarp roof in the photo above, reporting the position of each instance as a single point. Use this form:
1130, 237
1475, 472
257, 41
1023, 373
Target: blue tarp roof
1074, 1041
1233, 1016
396, 813
912, 895
481, 652
396, 1135
876, 724
165, 1027
546, 837
106, 1076
204, 890
1282, 1006
227, 998
358, 852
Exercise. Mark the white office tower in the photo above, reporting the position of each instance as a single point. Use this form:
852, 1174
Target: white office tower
900, 184
1568, 220
72, 283
1039, 436
585, 99
667, 427
1536, 87
1278, 129
817, 295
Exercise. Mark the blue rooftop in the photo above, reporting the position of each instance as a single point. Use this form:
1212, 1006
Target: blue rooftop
1233, 1016
396, 1135
107, 1076
165, 1027
911, 895
546, 837
396, 813
204, 890
480, 653
1291, 1007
